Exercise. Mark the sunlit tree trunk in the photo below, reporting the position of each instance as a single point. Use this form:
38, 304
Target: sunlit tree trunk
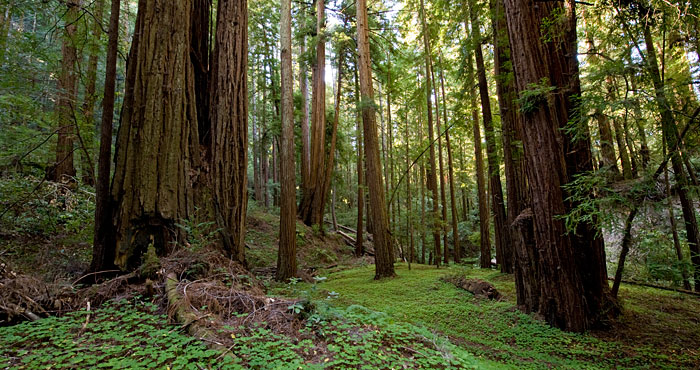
504, 252
525, 262
359, 242
450, 165
384, 252
312, 202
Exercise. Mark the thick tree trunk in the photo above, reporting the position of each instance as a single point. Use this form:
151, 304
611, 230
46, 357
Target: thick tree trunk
572, 270
286, 258
103, 248
524, 253
504, 252
229, 125
432, 173
157, 145
670, 133
63, 169
384, 253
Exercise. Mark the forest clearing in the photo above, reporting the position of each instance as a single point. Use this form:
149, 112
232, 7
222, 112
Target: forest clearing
349, 184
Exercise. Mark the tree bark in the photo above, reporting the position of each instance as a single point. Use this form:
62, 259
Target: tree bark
88, 108
524, 252
157, 145
286, 258
572, 270
450, 166
312, 202
384, 252
485, 237
359, 246
229, 125
504, 252
103, 248
443, 196
432, 173
63, 169
305, 151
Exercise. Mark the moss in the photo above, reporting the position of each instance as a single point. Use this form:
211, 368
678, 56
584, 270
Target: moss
151, 263
495, 330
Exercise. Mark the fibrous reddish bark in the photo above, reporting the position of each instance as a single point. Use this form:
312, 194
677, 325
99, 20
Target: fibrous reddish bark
229, 125
384, 252
286, 257
157, 145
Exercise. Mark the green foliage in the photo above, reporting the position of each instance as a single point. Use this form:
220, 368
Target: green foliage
117, 336
536, 94
199, 233
35, 207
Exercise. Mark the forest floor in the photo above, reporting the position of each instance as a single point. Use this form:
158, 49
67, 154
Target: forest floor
336, 316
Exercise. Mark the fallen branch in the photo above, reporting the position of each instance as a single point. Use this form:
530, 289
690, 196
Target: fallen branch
649, 285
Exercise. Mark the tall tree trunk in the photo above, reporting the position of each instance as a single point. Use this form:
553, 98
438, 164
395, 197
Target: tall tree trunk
305, 151
485, 236
384, 252
330, 163
572, 270
423, 239
286, 258
359, 242
670, 133
88, 108
157, 144
103, 248
443, 196
312, 202
200, 60
432, 173
504, 252
524, 253
229, 125
619, 137
63, 168
450, 166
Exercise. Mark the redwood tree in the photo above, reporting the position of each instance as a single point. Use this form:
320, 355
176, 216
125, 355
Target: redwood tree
286, 257
157, 144
573, 283
384, 252
229, 125
63, 169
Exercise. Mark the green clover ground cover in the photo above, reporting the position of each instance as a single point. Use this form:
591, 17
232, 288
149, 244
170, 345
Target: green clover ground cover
134, 336
496, 331
118, 336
